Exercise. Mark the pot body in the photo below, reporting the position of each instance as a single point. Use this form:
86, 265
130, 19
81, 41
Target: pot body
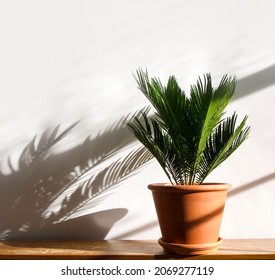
190, 214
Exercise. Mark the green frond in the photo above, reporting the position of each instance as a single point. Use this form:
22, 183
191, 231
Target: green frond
150, 133
222, 143
188, 136
207, 107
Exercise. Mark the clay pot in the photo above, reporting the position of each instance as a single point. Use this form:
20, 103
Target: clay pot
190, 216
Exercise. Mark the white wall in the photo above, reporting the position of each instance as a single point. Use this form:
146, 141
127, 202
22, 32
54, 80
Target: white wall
64, 61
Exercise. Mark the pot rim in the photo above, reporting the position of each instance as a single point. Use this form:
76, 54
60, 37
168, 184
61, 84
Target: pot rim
204, 187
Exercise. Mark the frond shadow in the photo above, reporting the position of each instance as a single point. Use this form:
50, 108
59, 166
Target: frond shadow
65, 182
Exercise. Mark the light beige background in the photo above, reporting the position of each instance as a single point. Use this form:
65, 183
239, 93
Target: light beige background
64, 61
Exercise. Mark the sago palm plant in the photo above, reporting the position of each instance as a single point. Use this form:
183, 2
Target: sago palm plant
188, 135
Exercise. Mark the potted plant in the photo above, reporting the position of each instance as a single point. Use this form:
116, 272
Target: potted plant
189, 136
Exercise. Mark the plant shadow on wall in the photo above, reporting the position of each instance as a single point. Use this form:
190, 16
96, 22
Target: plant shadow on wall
69, 181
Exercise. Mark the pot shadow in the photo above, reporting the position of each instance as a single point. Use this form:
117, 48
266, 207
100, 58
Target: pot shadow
93, 226
41, 197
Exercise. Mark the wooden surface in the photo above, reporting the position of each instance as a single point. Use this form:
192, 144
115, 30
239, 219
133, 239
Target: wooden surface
129, 249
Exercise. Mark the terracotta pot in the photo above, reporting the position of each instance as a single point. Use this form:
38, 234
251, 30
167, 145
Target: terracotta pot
190, 216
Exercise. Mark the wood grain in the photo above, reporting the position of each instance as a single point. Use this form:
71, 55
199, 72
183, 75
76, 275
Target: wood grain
234, 249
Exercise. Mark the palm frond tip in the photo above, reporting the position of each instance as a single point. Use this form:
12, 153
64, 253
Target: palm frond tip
188, 136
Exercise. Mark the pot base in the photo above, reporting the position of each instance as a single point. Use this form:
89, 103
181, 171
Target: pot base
191, 249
